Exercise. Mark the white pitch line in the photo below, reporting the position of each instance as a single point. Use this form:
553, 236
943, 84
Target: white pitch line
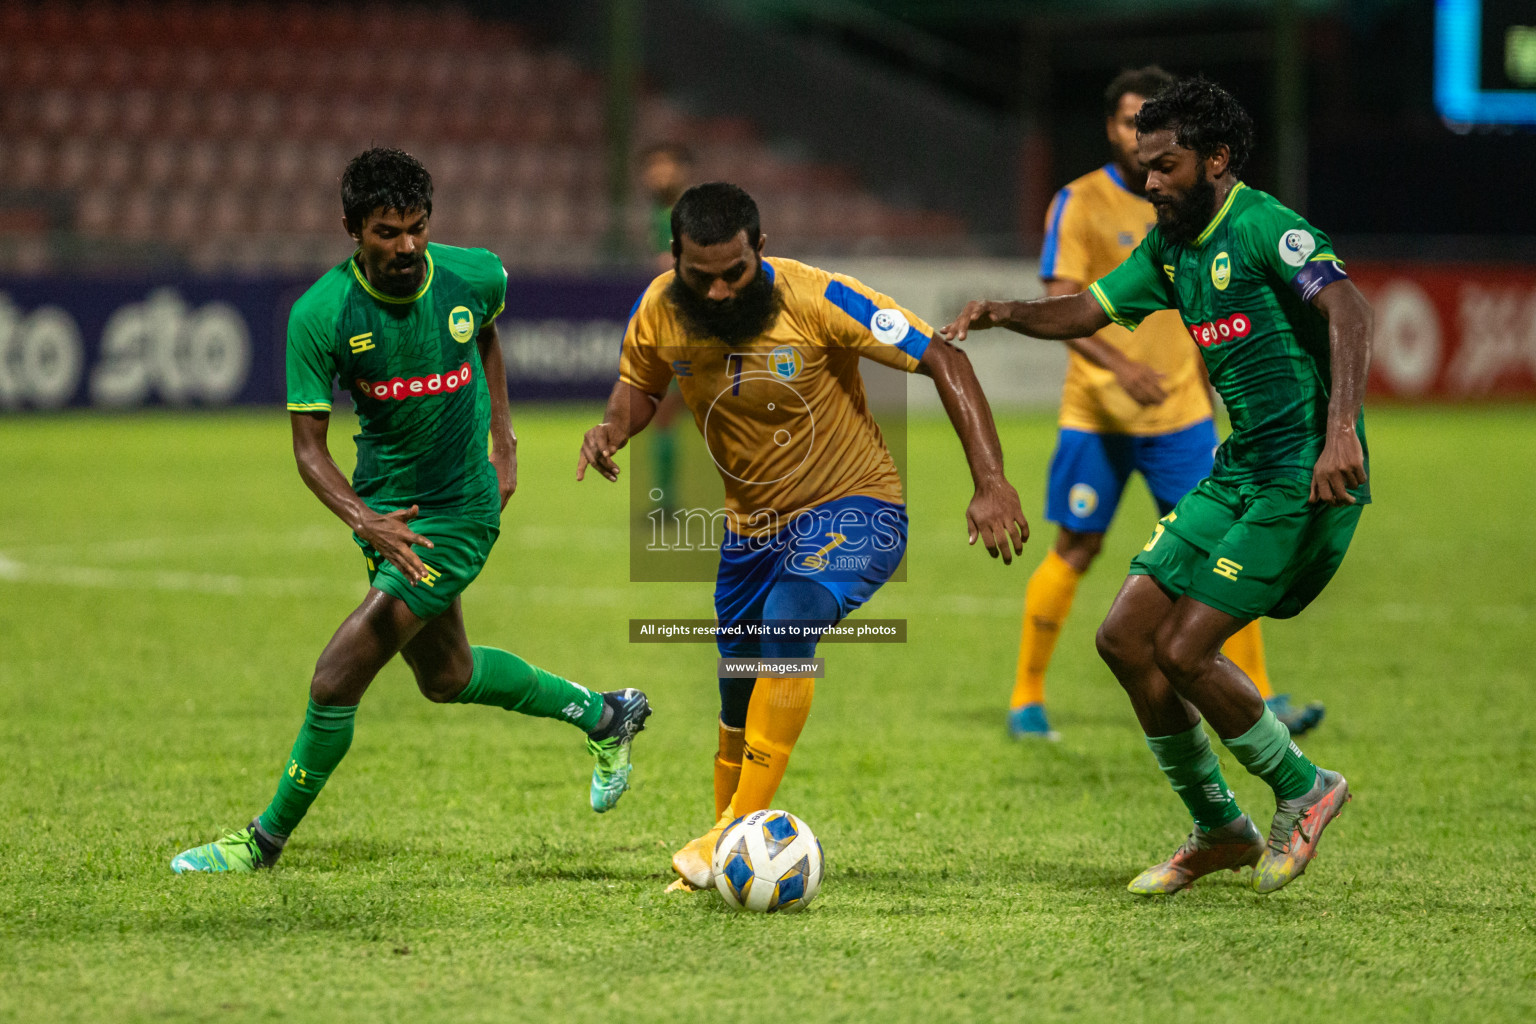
968, 605
310, 538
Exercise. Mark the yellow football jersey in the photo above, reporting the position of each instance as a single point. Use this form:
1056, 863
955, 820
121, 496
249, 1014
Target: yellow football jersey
784, 415
1091, 228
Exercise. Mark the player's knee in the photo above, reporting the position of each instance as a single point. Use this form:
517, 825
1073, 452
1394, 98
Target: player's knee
1079, 549
1120, 646
1179, 657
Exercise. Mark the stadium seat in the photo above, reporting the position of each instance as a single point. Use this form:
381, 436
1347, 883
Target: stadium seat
200, 123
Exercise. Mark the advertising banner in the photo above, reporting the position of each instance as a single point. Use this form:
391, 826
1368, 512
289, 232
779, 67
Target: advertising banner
1453, 331
211, 342
1457, 331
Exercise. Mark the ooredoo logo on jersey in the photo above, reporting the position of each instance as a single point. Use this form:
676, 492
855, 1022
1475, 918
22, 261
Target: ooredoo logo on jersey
415, 387
1235, 326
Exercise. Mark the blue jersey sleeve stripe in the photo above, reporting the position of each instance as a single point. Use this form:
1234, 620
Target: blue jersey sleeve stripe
859, 306
855, 304
915, 343
1052, 236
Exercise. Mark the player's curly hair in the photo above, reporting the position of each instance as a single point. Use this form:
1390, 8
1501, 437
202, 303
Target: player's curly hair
1145, 82
1203, 117
715, 212
390, 179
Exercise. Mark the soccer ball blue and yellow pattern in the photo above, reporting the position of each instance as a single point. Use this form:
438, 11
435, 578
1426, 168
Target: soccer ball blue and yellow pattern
768, 861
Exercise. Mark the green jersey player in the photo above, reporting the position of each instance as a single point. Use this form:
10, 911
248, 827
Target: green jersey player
1286, 338
409, 328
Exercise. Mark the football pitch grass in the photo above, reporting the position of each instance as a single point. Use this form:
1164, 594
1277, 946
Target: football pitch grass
166, 583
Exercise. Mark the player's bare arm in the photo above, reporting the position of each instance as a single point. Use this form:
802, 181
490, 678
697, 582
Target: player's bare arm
1139, 380
389, 534
1350, 324
1058, 317
503, 438
629, 410
994, 514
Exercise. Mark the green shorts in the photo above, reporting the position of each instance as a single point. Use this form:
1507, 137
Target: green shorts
460, 548
1250, 550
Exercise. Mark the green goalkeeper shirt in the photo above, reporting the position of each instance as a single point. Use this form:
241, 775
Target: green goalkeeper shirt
413, 368
1245, 290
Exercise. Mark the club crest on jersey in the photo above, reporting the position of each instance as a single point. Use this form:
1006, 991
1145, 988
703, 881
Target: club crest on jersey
889, 326
415, 387
461, 323
1221, 271
784, 361
1296, 245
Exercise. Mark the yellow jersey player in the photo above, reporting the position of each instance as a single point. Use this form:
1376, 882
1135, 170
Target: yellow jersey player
1130, 402
766, 355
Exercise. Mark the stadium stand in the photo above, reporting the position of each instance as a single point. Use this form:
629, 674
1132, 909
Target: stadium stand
214, 136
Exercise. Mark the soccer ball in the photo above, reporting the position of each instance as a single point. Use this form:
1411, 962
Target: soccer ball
768, 861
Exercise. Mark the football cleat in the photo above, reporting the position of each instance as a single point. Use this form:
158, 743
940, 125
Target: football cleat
1234, 845
1029, 722
241, 850
1297, 827
611, 746
695, 861
1300, 720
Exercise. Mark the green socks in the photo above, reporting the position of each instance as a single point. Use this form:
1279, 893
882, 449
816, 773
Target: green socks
322, 743
1191, 766
500, 679
1266, 750
504, 680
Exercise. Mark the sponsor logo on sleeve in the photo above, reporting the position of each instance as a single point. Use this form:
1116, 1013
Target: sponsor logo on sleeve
415, 387
461, 324
1296, 245
889, 326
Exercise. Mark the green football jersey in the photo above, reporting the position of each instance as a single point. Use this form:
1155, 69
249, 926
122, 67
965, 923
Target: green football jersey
413, 369
1245, 290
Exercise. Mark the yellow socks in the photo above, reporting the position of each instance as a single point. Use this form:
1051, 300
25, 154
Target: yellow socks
1245, 649
728, 766
1047, 601
774, 719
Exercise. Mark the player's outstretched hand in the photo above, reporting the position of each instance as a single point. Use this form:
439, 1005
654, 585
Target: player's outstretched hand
597, 449
977, 315
1141, 382
1340, 467
392, 538
996, 516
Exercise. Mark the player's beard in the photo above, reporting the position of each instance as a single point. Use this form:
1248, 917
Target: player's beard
1183, 219
735, 320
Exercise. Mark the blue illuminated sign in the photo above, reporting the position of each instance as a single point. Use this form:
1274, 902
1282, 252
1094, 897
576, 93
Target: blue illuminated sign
1485, 62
